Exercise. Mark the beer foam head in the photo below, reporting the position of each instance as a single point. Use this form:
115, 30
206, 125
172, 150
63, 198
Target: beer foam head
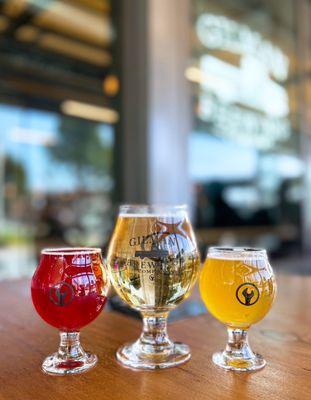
75, 251
236, 253
152, 211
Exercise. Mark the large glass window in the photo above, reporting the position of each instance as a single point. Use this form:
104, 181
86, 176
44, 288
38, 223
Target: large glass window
57, 113
244, 150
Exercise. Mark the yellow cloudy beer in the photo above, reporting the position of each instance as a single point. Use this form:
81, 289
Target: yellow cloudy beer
238, 287
237, 290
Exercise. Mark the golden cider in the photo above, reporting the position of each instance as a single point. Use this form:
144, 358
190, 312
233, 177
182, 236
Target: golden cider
153, 261
238, 292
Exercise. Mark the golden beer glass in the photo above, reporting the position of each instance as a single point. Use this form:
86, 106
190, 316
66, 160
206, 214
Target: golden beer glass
238, 287
153, 263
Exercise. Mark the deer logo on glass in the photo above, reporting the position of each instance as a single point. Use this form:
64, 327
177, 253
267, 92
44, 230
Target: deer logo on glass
155, 244
247, 294
61, 294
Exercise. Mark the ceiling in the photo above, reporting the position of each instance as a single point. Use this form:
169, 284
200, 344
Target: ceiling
53, 50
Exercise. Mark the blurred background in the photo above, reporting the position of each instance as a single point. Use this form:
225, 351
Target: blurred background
199, 101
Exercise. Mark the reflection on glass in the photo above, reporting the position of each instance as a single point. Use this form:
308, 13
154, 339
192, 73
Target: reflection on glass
243, 74
57, 185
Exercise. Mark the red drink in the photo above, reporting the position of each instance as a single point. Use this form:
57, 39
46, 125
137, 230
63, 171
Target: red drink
69, 288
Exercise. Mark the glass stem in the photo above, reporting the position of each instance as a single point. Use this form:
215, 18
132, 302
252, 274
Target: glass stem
70, 347
154, 337
237, 345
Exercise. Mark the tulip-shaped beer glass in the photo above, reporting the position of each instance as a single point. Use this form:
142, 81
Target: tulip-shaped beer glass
69, 289
153, 263
238, 287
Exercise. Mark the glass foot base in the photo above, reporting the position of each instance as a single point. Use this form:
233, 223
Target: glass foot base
237, 363
55, 365
131, 356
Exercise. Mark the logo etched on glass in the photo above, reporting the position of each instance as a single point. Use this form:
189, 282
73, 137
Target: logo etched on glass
61, 294
247, 294
155, 244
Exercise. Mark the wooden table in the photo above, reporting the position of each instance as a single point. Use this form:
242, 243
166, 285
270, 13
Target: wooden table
284, 338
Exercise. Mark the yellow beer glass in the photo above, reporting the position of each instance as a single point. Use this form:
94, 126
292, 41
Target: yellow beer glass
238, 287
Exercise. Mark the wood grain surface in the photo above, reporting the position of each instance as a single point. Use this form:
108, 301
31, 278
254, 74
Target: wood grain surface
284, 338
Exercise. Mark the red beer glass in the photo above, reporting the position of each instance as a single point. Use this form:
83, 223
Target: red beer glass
69, 290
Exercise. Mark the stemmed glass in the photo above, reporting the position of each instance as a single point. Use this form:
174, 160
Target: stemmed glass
153, 263
238, 287
69, 289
